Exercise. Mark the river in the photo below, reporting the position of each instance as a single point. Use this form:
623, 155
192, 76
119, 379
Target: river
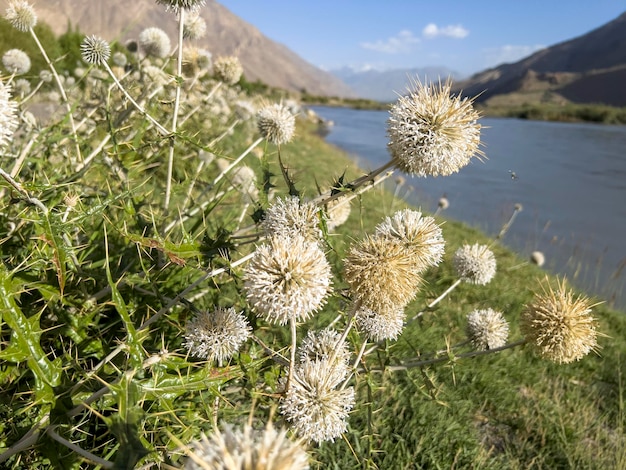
569, 178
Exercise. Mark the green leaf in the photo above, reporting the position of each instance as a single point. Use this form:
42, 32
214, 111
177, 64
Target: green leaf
24, 344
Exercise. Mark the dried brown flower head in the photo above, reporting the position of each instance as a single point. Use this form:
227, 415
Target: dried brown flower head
559, 325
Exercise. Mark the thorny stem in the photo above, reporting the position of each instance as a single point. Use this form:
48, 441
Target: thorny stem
18, 187
68, 108
439, 299
179, 75
292, 362
79, 450
139, 108
428, 362
355, 364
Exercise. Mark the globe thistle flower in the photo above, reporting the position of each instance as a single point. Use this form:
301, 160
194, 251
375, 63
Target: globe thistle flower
377, 327
538, 258
216, 335
154, 42
475, 264
45, 76
244, 109
487, 329
194, 27
16, 61
228, 69
21, 15
248, 448
176, 5
420, 235
195, 61
288, 277
321, 345
95, 50
120, 59
8, 115
289, 216
431, 133
22, 86
382, 275
559, 325
155, 76
443, 203
314, 405
276, 123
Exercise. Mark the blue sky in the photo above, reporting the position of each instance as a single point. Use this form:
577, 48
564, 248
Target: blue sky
465, 36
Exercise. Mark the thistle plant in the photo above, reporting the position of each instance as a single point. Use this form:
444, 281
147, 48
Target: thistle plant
165, 302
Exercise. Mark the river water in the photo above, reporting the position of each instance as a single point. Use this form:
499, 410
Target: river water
569, 178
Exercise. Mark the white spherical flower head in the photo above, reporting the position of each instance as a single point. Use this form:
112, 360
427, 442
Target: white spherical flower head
216, 335
154, 42
228, 69
314, 405
288, 277
21, 15
16, 61
420, 235
22, 86
259, 449
276, 123
8, 115
538, 258
487, 329
120, 59
377, 327
176, 5
337, 212
323, 344
289, 216
194, 27
95, 50
475, 264
432, 133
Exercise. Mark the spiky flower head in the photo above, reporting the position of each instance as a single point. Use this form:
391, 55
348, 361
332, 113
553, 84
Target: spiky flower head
248, 448
288, 277
176, 5
378, 327
194, 27
16, 61
22, 86
120, 59
314, 404
475, 264
276, 123
432, 133
216, 335
487, 329
45, 76
321, 345
21, 15
95, 50
154, 42
443, 203
228, 69
559, 325
291, 216
8, 115
420, 235
382, 275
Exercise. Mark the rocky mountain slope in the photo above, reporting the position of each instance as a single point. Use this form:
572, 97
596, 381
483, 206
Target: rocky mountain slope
587, 69
262, 58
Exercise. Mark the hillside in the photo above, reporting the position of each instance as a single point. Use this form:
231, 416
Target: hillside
587, 69
262, 58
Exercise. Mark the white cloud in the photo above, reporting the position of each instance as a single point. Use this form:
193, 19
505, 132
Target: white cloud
508, 53
457, 31
402, 42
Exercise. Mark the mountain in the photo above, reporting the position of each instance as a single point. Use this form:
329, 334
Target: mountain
262, 58
386, 85
587, 69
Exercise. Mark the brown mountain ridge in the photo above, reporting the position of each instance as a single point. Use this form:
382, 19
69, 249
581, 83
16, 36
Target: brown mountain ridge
587, 69
261, 57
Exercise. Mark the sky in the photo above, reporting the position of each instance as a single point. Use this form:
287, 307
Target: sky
464, 36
